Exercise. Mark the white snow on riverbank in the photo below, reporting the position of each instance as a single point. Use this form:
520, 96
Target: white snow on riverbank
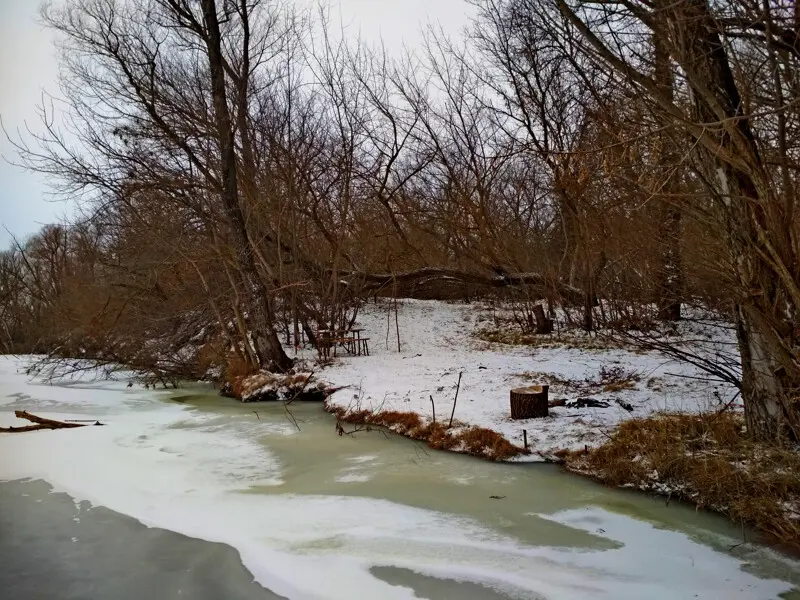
172, 467
437, 343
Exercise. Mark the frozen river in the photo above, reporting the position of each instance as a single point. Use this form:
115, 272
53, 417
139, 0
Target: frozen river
128, 511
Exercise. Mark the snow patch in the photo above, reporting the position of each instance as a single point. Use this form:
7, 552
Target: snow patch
437, 344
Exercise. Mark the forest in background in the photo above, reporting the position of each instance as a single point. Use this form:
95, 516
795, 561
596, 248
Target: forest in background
244, 175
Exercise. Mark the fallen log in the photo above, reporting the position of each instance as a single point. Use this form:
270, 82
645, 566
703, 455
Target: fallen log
49, 423
376, 281
40, 423
22, 428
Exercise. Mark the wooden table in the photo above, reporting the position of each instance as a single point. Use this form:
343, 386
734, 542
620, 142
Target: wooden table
349, 339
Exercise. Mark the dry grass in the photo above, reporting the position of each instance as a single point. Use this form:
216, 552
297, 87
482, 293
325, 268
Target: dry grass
479, 442
405, 423
208, 356
619, 386
475, 441
707, 460
236, 370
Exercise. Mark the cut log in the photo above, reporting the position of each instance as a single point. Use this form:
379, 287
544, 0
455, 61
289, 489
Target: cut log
529, 402
543, 324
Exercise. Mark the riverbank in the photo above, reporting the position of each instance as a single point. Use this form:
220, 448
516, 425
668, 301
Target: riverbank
682, 437
456, 437
706, 461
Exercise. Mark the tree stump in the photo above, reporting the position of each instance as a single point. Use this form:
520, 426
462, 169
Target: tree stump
529, 402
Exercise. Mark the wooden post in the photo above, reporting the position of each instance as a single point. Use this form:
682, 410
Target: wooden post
458, 387
529, 402
525, 437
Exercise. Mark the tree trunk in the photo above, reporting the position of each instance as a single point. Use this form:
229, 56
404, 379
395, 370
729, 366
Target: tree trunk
590, 298
670, 275
761, 385
745, 206
543, 324
268, 346
588, 310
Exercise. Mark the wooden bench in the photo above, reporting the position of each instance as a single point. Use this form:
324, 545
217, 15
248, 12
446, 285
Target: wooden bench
348, 343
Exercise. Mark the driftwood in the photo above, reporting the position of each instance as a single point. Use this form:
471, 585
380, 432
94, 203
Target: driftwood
40, 423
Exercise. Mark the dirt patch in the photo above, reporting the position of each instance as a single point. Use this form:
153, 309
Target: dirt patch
707, 460
476, 441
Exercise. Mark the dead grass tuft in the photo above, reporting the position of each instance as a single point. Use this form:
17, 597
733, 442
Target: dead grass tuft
402, 422
476, 441
707, 460
479, 441
438, 437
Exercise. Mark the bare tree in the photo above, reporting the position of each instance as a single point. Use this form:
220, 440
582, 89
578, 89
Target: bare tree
751, 205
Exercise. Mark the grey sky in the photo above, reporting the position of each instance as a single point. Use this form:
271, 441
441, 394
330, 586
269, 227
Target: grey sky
28, 67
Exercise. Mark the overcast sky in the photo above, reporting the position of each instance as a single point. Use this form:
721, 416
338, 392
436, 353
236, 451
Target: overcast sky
28, 67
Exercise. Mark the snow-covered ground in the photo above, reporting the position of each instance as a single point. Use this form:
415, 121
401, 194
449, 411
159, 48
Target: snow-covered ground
437, 343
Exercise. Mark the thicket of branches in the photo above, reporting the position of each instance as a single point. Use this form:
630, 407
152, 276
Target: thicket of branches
245, 174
